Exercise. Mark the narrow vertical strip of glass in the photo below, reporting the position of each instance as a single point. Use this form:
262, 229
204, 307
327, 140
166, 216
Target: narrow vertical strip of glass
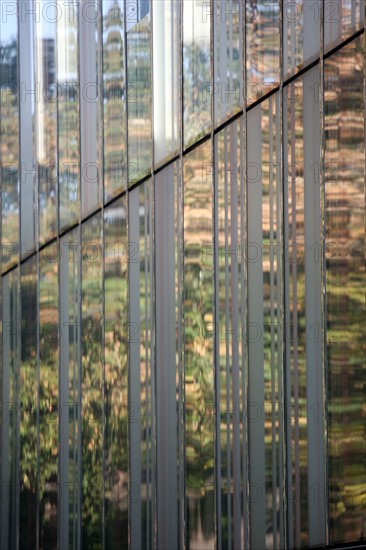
10, 407
9, 134
68, 128
46, 123
29, 401
92, 382
48, 397
70, 405
141, 367
198, 347
114, 98
116, 444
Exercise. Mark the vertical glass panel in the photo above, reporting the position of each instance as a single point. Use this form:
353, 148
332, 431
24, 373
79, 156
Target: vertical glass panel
262, 47
168, 355
92, 382
91, 92
301, 34
228, 60
345, 290
48, 396
70, 406
9, 135
303, 313
342, 18
29, 407
9, 409
116, 375
230, 316
114, 98
265, 324
139, 88
141, 382
27, 106
197, 81
166, 59
46, 122
68, 112
198, 347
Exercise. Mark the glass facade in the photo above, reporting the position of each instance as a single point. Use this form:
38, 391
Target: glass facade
183, 244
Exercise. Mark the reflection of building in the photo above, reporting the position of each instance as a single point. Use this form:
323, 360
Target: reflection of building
183, 275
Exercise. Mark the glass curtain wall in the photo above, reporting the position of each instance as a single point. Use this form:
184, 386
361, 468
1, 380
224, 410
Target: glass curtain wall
183, 270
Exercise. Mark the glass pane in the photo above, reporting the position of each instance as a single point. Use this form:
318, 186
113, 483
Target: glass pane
266, 437
68, 113
167, 101
262, 47
91, 87
138, 88
92, 382
228, 51
9, 408
29, 219
141, 383
168, 356
70, 406
197, 82
198, 347
114, 98
116, 447
342, 18
301, 34
46, 124
303, 313
29, 377
345, 286
9, 135
48, 396
230, 317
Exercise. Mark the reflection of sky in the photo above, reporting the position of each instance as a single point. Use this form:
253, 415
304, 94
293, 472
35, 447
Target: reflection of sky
8, 25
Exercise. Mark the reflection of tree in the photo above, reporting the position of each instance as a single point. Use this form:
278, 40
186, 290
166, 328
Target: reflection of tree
116, 378
198, 305
92, 384
9, 148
